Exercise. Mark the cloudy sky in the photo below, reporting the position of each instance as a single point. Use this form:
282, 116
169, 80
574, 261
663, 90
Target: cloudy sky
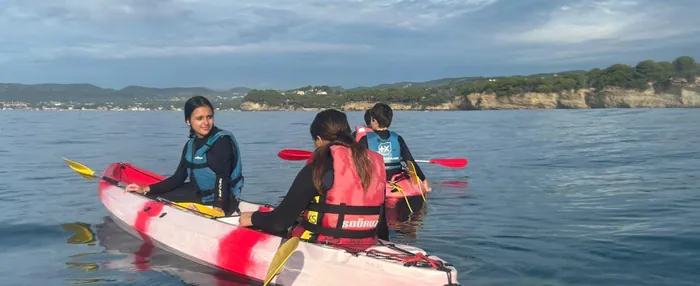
286, 44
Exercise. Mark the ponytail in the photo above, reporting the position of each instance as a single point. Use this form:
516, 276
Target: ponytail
332, 125
360, 158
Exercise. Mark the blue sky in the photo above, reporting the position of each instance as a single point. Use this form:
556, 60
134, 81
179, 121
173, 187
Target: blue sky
286, 44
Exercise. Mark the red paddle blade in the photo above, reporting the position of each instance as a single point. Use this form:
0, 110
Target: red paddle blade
450, 162
294, 154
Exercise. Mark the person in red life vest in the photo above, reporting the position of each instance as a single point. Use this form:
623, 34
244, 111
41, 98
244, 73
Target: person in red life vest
389, 143
340, 194
361, 131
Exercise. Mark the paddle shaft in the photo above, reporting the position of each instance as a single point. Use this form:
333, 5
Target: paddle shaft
160, 199
111, 181
298, 155
89, 174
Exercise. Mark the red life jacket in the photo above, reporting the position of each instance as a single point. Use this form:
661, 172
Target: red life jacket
361, 131
348, 215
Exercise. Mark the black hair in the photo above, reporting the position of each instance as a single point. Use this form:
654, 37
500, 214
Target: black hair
368, 117
192, 104
382, 113
332, 125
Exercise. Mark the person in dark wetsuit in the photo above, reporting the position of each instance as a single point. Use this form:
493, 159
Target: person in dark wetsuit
381, 117
211, 160
317, 178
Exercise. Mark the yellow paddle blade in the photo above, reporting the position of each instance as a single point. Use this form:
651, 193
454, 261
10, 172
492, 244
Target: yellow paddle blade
82, 233
283, 253
87, 267
80, 168
202, 209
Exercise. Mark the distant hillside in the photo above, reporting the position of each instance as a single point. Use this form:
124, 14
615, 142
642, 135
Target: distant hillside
432, 92
456, 81
241, 90
672, 84
425, 84
88, 92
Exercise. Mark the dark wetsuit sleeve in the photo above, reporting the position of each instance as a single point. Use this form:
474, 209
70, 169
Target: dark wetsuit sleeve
221, 158
177, 179
294, 203
406, 155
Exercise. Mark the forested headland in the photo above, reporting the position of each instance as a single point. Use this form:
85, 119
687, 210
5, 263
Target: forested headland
649, 83
457, 93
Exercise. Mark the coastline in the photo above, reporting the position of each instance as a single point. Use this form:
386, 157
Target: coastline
677, 96
649, 84
680, 97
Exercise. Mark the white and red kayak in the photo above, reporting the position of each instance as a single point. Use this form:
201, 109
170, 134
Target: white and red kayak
222, 244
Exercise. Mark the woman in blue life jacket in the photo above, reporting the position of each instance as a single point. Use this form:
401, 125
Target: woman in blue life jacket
389, 143
211, 162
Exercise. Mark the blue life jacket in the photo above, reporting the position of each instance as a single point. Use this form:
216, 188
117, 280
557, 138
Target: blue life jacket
389, 148
199, 172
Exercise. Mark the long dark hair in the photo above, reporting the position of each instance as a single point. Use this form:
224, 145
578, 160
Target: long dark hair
332, 125
192, 104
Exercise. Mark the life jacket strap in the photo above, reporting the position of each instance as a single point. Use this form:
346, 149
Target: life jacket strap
341, 210
336, 232
344, 209
232, 184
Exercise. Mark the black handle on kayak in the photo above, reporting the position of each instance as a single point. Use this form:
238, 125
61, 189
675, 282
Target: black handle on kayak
112, 181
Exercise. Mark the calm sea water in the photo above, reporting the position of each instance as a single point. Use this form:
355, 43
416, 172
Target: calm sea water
557, 197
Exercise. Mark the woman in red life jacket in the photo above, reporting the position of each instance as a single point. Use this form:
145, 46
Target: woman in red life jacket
340, 194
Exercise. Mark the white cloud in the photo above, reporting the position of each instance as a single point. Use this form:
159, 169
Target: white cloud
113, 51
610, 20
601, 31
383, 32
157, 28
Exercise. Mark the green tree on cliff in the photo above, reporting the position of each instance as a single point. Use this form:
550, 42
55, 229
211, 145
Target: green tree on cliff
685, 67
619, 75
655, 71
267, 96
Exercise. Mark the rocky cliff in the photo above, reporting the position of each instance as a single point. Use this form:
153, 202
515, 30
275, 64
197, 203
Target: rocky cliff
364, 105
688, 97
253, 106
674, 97
353, 106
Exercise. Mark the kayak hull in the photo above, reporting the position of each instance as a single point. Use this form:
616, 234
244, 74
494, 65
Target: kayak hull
222, 244
401, 188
